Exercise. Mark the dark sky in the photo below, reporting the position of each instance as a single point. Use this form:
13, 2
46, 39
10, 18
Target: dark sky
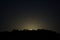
29, 15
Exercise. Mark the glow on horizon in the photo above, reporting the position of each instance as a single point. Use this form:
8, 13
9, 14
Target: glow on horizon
29, 24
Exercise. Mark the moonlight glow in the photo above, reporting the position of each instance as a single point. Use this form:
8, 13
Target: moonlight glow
29, 24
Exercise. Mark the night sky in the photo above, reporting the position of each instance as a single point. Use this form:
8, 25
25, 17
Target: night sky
22, 14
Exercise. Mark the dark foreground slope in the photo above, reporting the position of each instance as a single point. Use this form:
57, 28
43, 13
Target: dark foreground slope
28, 34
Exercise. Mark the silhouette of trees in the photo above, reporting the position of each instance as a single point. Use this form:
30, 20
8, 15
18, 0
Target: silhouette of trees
40, 32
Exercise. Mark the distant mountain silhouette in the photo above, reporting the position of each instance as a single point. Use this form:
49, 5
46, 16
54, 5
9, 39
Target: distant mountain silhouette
47, 34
